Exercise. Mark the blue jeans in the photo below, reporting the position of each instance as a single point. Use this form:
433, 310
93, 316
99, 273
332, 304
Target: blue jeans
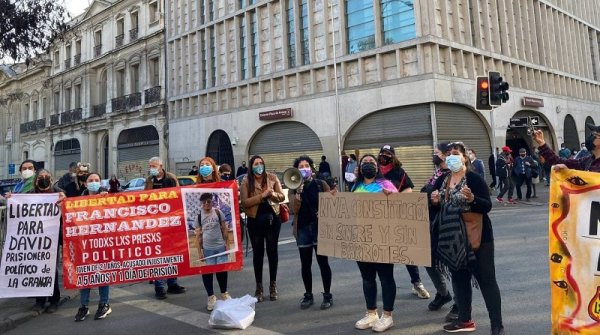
84, 295
159, 284
215, 260
307, 235
369, 272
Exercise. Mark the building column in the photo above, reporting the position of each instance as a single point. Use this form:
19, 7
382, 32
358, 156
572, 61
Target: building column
92, 148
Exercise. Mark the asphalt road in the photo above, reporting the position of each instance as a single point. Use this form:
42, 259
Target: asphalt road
521, 264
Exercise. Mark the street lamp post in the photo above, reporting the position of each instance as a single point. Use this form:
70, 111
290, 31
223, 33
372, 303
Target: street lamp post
337, 99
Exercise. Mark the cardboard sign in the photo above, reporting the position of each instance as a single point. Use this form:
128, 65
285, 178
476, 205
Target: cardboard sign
28, 265
574, 253
373, 227
137, 236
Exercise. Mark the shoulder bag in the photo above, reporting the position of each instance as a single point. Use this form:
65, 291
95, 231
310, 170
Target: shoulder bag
473, 223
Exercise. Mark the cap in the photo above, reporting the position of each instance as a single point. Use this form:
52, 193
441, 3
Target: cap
593, 127
388, 148
506, 149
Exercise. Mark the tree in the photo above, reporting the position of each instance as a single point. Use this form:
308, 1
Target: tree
29, 27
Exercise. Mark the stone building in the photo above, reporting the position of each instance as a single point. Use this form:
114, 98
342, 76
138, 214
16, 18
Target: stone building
284, 77
99, 99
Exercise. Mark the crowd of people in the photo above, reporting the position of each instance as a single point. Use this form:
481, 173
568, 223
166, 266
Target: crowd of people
458, 197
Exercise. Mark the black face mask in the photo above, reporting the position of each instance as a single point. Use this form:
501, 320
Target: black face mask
368, 170
225, 177
43, 183
82, 178
436, 160
385, 160
589, 142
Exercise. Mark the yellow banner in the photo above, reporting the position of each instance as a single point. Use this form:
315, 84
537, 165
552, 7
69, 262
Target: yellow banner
574, 252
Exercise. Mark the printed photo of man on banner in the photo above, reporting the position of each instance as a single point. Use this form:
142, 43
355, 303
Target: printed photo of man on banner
137, 236
28, 264
574, 253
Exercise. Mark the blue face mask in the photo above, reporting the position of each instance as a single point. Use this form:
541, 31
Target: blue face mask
206, 170
154, 172
454, 163
93, 186
259, 169
306, 173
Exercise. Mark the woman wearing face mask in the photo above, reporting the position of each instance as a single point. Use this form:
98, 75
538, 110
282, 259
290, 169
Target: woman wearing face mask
208, 174
465, 191
261, 194
305, 229
392, 170
91, 186
369, 179
27, 170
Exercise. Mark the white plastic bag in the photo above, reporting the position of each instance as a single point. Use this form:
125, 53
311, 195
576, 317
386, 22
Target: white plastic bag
235, 313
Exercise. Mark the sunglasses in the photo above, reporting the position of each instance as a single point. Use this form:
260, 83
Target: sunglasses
207, 202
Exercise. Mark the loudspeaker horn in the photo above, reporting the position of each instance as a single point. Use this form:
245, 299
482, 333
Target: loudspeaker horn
292, 178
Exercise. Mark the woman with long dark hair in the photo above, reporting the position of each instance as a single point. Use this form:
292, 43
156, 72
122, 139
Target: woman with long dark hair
261, 194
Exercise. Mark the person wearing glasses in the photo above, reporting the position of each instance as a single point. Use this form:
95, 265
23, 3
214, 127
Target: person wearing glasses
464, 191
225, 172
587, 163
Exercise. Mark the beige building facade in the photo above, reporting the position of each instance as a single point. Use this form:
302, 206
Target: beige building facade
99, 98
260, 77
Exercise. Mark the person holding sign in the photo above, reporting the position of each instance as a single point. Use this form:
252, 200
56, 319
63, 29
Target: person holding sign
370, 179
465, 201
586, 163
27, 170
91, 186
261, 195
305, 229
211, 231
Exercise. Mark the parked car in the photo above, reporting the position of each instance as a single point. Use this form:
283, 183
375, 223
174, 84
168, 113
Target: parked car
187, 180
135, 184
7, 185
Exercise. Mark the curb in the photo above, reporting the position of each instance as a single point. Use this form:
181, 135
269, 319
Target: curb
16, 319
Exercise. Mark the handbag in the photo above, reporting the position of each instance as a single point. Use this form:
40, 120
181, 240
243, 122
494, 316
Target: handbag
284, 213
474, 227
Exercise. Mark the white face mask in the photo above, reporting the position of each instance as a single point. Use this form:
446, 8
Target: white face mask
26, 174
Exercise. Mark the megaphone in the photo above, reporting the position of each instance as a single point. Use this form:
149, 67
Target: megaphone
292, 178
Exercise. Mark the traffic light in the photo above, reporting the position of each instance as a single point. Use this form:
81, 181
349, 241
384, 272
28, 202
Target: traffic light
483, 94
498, 89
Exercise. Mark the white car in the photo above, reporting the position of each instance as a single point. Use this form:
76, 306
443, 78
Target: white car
135, 184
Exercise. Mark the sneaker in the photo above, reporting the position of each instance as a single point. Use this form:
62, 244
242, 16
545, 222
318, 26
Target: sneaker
367, 322
307, 301
511, 201
383, 324
37, 307
176, 289
453, 314
459, 326
210, 304
160, 294
327, 301
82, 313
439, 301
497, 330
419, 290
499, 199
225, 296
52, 308
103, 311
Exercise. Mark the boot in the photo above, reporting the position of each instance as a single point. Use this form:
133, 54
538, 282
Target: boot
259, 292
273, 291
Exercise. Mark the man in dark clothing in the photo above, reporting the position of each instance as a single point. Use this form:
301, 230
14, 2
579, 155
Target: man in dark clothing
522, 172
241, 170
324, 169
492, 167
159, 178
68, 177
587, 163
583, 152
194, 171
564, 152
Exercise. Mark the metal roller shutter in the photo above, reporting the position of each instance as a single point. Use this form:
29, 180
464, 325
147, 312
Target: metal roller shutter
61, 163
133, 161
407, 129
458, 123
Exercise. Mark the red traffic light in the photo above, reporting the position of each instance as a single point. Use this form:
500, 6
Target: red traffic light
484, 85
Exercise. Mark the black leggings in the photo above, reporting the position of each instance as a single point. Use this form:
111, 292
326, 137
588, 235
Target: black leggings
261, 234
207, 279
306, 261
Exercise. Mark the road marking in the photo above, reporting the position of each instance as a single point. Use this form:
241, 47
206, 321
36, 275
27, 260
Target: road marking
179, 313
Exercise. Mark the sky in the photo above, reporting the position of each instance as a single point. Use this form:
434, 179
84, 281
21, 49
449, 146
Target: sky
76, 7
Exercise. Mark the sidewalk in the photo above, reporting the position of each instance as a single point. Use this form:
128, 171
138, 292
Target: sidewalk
542, 192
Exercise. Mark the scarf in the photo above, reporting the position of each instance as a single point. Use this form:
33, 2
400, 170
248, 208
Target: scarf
452, 247
25, 185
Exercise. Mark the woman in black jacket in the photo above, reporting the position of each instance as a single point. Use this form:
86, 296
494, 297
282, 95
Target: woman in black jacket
464, 191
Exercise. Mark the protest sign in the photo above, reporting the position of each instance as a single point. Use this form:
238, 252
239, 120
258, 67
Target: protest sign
28, 265
574, 253
373, 227
137, 236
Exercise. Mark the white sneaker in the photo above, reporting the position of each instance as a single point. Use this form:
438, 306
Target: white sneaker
212, 300
367, 322
419, 290
383, 324
225, 296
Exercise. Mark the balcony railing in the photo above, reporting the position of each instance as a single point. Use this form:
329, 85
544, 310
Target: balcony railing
98, 50
98, 110
67, 63
133, 34
152, 95
77, 59
54, 120
71, 116
33, 126
119, 40
126, 102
